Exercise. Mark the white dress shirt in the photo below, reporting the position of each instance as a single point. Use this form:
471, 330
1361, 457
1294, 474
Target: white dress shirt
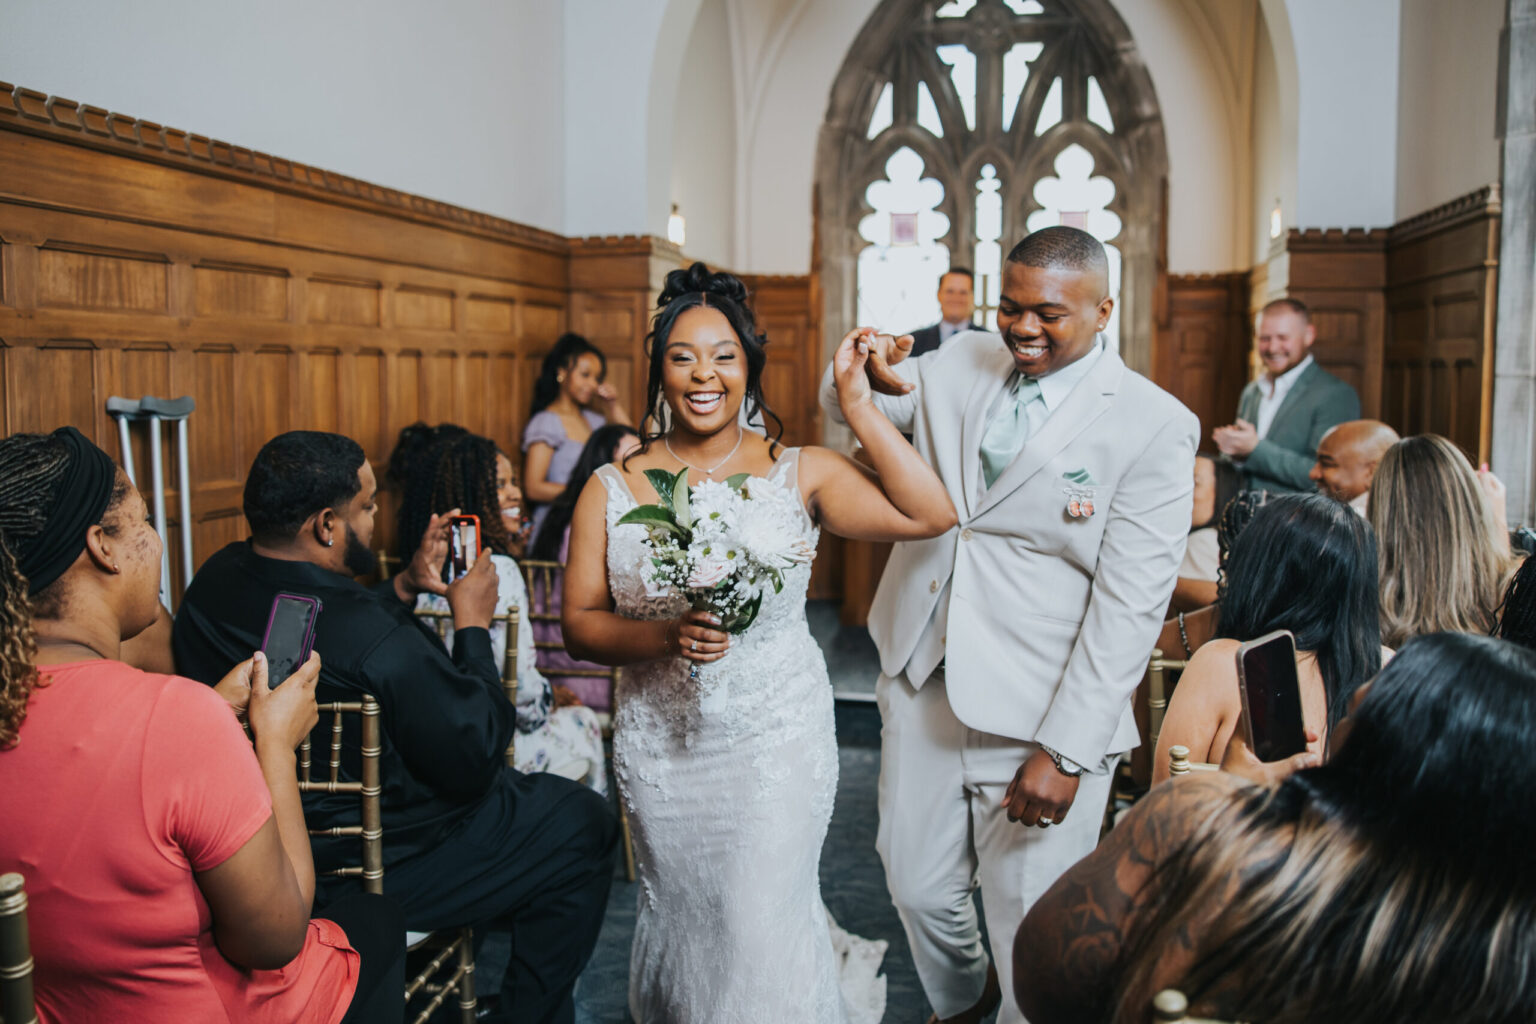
1054, 389
1361, 502
948, 330
1278, 387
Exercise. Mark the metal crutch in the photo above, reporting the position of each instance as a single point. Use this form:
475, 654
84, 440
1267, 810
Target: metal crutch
152, 410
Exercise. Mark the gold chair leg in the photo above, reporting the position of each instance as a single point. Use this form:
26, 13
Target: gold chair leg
466, 977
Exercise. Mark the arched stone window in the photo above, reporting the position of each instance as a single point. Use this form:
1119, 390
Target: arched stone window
957, 127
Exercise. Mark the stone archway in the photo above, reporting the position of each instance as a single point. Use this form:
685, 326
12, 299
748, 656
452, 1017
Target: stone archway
1082, 41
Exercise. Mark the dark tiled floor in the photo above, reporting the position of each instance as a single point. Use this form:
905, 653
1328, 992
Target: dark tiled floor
853, 882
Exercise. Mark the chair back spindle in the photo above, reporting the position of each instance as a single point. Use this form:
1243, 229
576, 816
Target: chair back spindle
16, 1002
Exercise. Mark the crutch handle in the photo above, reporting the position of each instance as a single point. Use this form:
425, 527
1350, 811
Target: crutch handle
167, 408
122, 406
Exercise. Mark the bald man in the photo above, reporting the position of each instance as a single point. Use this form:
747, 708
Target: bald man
1346, 460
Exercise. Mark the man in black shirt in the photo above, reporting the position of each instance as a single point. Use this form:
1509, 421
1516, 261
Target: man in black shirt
467, 840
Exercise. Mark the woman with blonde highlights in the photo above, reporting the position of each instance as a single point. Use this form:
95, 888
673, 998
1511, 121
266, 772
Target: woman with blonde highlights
1392, 884
1443, 543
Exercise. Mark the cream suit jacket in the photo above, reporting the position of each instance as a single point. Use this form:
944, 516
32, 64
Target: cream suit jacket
1047, 621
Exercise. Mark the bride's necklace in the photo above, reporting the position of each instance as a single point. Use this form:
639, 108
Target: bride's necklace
711, 471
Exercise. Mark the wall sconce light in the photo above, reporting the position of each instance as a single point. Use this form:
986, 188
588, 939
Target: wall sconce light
677, 228
1275, 220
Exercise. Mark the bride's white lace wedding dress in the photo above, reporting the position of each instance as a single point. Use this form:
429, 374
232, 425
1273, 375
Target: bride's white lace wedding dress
729, 780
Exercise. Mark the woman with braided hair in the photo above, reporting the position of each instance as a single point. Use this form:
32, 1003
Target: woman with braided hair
166, 863
554, 732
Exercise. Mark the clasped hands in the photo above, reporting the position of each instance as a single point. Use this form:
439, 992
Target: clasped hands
865, 349
1238, 440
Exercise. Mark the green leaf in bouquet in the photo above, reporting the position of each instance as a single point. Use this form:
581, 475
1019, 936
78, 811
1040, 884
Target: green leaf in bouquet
680, 501
665, 483
735, 480
745, 617
651, 516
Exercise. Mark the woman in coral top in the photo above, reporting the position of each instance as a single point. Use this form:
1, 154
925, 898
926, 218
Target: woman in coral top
167, 864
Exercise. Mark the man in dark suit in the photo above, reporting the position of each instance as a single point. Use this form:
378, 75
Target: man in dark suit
467, 839
1282, 416
957, 304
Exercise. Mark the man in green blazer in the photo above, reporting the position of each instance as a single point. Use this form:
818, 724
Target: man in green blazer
1283, 415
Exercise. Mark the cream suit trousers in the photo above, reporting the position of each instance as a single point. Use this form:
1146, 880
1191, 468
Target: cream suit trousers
943, 825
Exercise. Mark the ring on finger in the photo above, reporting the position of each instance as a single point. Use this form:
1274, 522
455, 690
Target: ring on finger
693, 645
1043, 822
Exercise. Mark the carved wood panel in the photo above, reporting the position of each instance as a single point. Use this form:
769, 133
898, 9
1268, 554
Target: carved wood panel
1203, 343
1442, 282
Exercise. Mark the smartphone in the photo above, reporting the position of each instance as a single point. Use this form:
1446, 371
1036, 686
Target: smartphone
290, 635
463, 545
1266, 676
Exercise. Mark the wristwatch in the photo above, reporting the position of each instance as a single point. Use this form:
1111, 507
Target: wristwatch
1065, 765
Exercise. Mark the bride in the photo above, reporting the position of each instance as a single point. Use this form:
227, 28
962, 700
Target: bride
729, 771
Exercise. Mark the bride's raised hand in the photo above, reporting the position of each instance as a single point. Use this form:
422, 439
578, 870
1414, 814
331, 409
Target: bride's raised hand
696, 636
879, 353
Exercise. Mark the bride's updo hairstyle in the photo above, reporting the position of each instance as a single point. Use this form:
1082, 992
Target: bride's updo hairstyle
689, 289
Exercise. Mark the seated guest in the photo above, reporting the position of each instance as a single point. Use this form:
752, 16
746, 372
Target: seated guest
167, 865
1307, 564
957, 311
1391, 884
1283, 415
1444, 543
607, 444
1517, 615
1347, 457
467, 840
570, 400
416, 445
554, 733
1217, 482
1234, 519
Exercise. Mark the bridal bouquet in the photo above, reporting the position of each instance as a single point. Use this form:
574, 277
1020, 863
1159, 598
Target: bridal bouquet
720, 544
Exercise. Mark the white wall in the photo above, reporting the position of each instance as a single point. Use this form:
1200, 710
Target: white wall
1274, 150
703, 153
1346, 150
461, 101
1447, 92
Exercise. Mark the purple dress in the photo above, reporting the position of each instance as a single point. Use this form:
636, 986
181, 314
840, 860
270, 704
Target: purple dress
595, 690
545, 427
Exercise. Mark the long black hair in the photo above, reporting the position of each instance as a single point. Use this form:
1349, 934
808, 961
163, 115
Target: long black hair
411, 468
568, 348
1517, 615
598, 451
1307, 563
688, 289
1392, 883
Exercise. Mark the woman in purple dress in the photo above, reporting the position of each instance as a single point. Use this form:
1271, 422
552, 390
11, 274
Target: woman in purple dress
570, 401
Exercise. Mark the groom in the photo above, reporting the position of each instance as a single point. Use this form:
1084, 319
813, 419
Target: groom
1010, 646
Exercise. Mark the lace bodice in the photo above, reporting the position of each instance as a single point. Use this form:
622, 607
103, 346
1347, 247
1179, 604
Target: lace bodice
779, 633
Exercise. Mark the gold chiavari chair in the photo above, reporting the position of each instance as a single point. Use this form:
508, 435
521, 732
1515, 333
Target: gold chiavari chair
441, 620
1180, 764
539, 578
451, 945
16, 1003
1171, 1007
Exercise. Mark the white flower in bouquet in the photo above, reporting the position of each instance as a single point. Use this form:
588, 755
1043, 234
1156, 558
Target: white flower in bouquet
721, 545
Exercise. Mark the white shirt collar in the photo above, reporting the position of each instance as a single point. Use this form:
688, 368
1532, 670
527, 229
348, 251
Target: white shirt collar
1055, 387
1360, 501
1281, 384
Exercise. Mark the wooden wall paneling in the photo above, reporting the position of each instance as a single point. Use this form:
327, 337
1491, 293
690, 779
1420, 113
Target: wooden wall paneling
1341, 276
1442, 282
137, 259
1203, 344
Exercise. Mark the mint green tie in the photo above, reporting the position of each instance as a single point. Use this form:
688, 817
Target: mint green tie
1008, 429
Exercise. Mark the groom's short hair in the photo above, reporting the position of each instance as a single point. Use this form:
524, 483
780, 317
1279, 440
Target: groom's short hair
1062, 248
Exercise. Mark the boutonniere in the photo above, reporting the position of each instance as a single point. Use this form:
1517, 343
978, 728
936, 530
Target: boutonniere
1079, 491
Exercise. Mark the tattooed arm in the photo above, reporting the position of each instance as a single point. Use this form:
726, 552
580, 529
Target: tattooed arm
1067, 950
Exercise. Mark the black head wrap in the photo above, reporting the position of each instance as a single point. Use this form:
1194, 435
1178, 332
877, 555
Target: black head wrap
79, 503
